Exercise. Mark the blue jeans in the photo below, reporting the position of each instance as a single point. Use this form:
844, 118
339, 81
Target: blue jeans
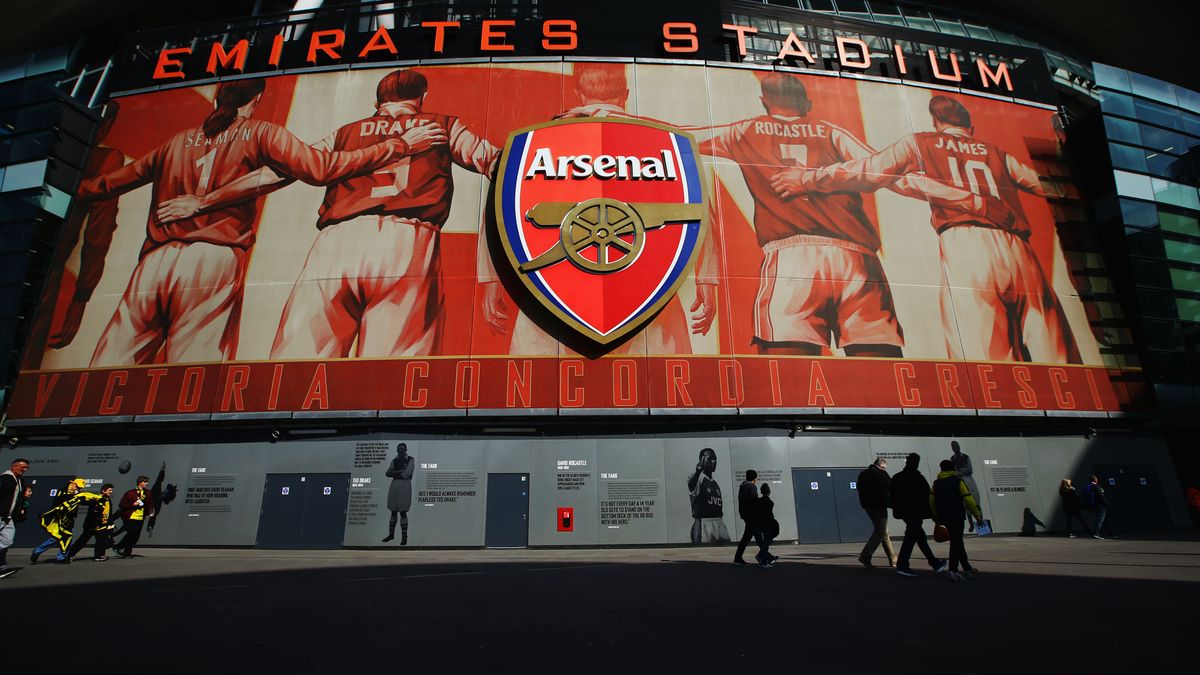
47, 545
1101, 515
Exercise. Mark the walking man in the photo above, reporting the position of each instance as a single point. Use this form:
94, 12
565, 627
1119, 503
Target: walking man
1097, 501
135, 506
12, 492
910, 503
71, 489
875, 496
949, 500
748, 510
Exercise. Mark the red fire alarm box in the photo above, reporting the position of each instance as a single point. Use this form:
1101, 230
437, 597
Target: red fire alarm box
566, 519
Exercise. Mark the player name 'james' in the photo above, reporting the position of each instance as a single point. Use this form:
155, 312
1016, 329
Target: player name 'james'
604, 167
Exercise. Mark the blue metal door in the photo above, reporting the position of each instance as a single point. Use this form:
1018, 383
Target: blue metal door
507, 510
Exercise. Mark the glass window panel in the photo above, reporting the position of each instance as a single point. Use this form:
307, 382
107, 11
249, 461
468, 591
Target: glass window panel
1134, 185
856, 9
1164, 140
948, 24
1189, 309
1164, 335
1191, 123
1182, 251
1178, 223
1188, 99
1121, 130
1127, 157
821, 5
1160, 304
24, 176
1139, 214
1156, 114
977, 31
886, 12
917, 17
1150, 272
1117, 104
1175, 194
1152, 88
1004, 36
1111, 78
1185, 280
1143, 242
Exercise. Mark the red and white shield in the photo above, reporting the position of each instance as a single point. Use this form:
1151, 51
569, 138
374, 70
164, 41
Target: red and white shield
601, 218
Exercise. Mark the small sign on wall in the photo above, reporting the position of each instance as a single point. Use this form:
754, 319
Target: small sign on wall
566, 519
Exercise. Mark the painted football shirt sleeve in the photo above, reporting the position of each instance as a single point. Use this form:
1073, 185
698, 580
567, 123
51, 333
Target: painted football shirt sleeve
723, 140
470, 151
1024, 176
129, 177
911, 185
285, 152
869, 173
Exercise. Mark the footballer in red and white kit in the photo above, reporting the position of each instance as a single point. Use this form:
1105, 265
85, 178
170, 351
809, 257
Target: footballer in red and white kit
821, 280
604, 91
371, 285
1011, 302
184, 297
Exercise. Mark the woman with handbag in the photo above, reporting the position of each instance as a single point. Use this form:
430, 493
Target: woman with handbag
765, 517
949, 500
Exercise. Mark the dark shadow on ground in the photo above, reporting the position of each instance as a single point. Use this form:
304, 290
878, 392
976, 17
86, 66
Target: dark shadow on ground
665, 617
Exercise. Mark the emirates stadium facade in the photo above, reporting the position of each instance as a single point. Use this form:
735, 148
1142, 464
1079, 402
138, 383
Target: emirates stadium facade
558, 274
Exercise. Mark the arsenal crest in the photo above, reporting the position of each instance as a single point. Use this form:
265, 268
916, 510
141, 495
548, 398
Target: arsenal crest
601, 218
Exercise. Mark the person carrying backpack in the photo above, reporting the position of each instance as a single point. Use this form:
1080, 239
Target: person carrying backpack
949, 501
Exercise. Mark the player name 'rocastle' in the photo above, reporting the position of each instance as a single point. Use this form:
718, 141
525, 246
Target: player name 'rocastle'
604, 167
806, 130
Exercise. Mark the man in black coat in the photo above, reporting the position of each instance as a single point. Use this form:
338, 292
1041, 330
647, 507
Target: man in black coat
12, 508
910, 503
748, 510
875, 496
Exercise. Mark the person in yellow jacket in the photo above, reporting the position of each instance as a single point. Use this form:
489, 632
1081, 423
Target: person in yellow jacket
949, 500
59, 522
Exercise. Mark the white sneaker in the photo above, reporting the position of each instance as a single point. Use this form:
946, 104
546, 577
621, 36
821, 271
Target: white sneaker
941, 568
955, 576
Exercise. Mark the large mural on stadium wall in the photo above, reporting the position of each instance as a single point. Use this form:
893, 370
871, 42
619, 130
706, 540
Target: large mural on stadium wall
329, 241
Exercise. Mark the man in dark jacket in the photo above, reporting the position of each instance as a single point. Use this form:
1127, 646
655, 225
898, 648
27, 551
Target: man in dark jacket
1097, 501
135, 507
748, 510
98, 524
950, 500
910, 503
875, 496
12, 510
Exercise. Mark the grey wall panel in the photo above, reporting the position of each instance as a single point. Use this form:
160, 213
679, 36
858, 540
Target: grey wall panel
222, 495
632, 491
824, 451
1004, 473
772, 460
449, 493
368, 460
563, 474
310, 457
509, 455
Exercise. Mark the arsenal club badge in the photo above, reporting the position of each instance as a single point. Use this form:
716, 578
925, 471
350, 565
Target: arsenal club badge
601, 218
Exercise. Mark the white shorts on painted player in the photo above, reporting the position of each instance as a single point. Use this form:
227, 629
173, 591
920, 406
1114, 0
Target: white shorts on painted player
709, 530
184, 299
998, 301
370, 284
824, 291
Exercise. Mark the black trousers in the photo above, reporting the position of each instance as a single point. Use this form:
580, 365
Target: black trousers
1076, 515
752, 530
133, 532
914, 535
103, 541
958, 552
